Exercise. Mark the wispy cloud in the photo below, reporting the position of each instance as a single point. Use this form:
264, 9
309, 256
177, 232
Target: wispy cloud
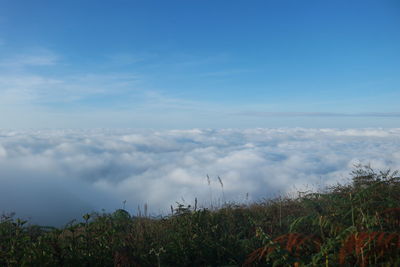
40, 57
318, 114
224, 73
40, 83
95, 95
22, 82
179, 61
42, 90
128, 59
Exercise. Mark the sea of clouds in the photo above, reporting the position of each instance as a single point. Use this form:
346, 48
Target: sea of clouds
52, 176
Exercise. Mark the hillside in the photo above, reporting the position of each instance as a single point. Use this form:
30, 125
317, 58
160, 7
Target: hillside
356, 224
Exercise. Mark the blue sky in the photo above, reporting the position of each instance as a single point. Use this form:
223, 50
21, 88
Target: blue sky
206, 64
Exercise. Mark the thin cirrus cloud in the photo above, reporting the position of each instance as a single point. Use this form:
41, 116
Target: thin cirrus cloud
56, 175
43, 87
105, 96
319, 114
41, 57
58, 86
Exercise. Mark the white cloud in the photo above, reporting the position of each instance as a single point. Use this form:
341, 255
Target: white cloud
32, 80
3, 152
69, 172
37, 58
43, 91
319, 114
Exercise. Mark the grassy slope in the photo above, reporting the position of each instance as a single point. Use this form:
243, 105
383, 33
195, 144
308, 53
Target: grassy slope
347, 225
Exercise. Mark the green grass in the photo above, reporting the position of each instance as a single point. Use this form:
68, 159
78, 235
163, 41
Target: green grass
357, 224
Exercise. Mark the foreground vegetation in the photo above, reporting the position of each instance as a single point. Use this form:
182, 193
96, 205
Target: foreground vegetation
346, 225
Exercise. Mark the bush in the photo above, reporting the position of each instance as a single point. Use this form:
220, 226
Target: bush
357, 224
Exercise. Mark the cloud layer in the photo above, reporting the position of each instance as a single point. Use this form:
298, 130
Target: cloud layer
53, 176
